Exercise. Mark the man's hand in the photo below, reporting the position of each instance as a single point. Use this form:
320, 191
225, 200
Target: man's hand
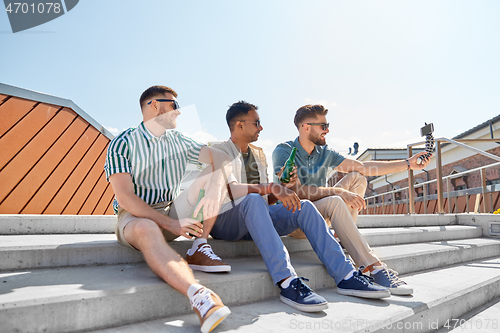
353, 199
183, 227
413, 161
211, 203
288, 197
294, 179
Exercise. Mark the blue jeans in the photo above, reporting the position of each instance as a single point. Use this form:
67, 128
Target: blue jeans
253, 219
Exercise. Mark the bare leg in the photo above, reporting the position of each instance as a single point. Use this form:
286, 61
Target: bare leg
146, 236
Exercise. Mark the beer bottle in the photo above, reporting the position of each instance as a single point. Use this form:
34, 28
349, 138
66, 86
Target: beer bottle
290, 163
199, 217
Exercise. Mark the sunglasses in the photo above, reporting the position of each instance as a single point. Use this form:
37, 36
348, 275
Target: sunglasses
323, 125
176, 105
257, 122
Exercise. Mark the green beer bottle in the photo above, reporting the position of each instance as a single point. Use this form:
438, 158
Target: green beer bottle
199, 217
290, 163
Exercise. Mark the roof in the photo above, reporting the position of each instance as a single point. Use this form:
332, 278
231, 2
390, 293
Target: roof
49, 99
478, 127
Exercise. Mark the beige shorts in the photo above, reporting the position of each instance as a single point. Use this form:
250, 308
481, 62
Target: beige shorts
178, 209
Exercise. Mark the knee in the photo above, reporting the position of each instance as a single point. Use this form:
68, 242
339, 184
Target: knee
307, 207
144, 228
254, 198
334, 201
359, 179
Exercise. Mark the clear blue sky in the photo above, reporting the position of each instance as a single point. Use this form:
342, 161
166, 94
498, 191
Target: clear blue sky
383, 68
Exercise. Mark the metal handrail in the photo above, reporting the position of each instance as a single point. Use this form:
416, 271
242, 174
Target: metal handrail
439, 179
439, 170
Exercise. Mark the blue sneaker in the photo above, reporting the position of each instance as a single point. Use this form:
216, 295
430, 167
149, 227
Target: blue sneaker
299, 296
389, 279
361, 285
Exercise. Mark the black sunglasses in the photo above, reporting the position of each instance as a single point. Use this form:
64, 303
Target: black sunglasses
323, 125
176, 105
257, 122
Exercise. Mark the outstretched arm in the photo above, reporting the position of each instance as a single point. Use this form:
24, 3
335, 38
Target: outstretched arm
379, 168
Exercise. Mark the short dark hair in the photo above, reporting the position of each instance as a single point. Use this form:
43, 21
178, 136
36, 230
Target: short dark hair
155, 91
240, 108
309, 111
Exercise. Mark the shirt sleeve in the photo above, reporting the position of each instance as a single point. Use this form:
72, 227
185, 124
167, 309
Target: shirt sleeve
117, 158
334, 158
192, 147
280, 155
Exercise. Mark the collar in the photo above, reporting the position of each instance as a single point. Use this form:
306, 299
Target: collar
302, 151
149, 136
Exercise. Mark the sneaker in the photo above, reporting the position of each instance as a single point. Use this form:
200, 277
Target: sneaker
204, 259
389, 279
361, 285
299, 296
209, 308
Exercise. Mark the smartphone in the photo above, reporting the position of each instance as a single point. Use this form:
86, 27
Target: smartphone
427, 129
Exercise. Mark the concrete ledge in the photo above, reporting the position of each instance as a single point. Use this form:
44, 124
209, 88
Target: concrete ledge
42, 251
481, 220
480, 319
400, 220
25, 224
408, 235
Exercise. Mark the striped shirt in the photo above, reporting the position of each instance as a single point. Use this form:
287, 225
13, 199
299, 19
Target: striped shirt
156, 164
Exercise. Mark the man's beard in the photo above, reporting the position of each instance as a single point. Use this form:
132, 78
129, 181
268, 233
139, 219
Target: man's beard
318, 141
165, 121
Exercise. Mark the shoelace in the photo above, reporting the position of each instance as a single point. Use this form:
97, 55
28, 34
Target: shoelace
392, 275
203, 301
207, 250
365, 279
303, 289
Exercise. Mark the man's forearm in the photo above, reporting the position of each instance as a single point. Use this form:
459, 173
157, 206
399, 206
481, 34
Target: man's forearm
379, 168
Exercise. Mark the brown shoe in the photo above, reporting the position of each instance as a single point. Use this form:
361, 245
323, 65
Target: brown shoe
204, 259
209, 308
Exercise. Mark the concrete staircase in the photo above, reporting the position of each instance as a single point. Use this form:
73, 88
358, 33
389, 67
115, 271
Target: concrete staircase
68, 274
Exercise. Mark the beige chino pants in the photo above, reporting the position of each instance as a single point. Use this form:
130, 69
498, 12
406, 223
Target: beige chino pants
343, 220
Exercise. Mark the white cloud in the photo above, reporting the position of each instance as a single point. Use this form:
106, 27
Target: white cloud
112, 130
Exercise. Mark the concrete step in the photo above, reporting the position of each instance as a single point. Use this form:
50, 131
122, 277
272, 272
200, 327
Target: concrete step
25, 224
86, 298
406, 235
43, 251
39, 251
404, 220
485, 319
439, 296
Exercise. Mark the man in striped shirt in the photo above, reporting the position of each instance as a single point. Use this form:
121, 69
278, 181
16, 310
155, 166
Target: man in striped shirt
145, 166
